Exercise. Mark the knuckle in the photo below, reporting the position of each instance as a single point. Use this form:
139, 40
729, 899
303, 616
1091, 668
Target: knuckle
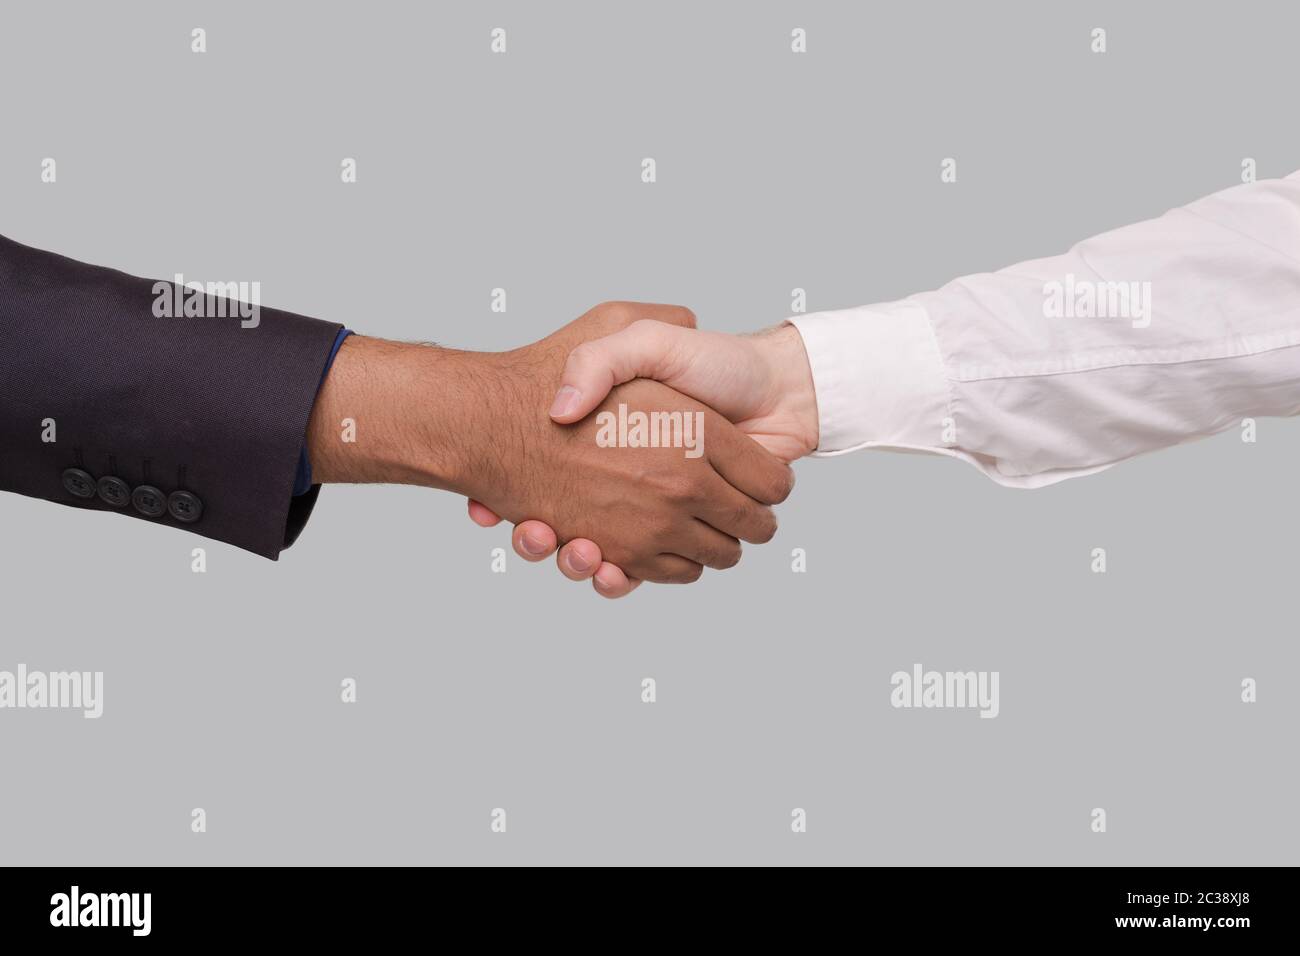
782, 486
694, 490
678, 489
689, 575
647, 329
615, 312
660, 529
583, 354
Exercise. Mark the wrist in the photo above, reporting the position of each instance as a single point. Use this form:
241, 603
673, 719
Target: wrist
793, 395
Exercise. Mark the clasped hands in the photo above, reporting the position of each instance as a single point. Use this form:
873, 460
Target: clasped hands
761, 383
478, 424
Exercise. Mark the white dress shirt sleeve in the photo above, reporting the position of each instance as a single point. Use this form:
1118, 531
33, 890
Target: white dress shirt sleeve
1151, 335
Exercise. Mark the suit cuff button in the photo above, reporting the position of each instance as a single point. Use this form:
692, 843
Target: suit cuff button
79, 483
148, 501
114, 491
184, 506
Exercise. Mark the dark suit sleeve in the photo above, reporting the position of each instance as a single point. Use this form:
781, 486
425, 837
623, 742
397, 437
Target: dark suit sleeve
195, 423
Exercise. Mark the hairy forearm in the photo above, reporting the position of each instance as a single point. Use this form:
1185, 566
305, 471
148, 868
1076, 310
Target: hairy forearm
404, 413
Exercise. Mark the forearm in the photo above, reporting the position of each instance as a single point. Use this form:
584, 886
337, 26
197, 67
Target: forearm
405, 413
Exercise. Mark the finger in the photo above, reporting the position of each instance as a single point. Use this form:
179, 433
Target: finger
708, 546
645, 349
481, 514
610, 581
533, 540
736, 514
579, 559
747, 465
672, 569
677, 315
626, 313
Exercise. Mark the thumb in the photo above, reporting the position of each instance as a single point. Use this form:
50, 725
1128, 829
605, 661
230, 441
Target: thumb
645, 349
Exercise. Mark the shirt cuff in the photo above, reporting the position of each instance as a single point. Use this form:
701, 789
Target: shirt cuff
879, 379
302, 480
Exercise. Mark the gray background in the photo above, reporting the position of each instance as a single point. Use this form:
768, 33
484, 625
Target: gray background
522, 690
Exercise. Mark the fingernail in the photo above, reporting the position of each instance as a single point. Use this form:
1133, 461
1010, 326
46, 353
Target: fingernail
566, 400
533, 546
601, 583
577, 562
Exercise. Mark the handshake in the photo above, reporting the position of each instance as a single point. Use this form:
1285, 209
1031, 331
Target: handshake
646, 450
637, 446
641, 448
